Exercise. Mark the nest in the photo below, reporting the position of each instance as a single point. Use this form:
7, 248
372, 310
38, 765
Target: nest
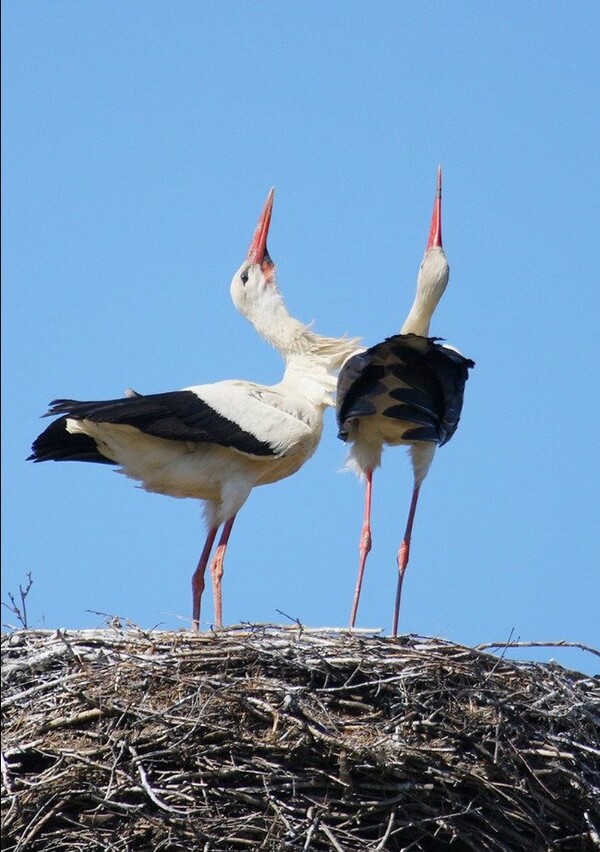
291, 739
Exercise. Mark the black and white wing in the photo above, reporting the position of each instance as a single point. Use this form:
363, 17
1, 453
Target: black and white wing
415, 380
229, 414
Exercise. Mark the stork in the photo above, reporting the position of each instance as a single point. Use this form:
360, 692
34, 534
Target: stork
406, 390
214, 442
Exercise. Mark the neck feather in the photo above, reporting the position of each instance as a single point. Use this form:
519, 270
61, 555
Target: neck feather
312, 360
431, 283
295, 340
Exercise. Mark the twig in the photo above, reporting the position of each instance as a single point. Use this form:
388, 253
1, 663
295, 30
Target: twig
388, 831
331, 838
312, 828
145, 784
561, 643
20, 611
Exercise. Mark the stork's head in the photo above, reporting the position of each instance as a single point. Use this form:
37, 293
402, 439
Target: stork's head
434, 272
256, 275
255, 294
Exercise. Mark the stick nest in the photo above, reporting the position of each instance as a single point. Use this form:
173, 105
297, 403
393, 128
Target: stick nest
291, 739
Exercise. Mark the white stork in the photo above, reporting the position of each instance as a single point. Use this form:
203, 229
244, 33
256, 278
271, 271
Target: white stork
215, 442
406, 390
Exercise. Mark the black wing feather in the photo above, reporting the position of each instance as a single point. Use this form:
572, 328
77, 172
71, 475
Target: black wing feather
431, 380
56, 444
176, 416
358, 380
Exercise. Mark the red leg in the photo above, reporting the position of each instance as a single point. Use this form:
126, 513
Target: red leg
403, 554
216, 570
364, 547
198, 577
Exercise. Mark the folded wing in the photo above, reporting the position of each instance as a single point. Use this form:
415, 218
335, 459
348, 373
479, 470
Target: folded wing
408, 378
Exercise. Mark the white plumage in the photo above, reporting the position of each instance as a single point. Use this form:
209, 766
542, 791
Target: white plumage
215, 442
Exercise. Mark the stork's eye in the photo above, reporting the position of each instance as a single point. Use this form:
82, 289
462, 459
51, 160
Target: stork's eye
244, 277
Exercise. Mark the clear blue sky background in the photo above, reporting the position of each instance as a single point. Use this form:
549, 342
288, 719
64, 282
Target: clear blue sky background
140, 140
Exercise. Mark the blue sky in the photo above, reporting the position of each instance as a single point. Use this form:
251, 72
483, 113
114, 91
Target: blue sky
140, 140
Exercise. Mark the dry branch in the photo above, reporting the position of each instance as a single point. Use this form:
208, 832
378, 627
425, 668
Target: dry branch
273, 739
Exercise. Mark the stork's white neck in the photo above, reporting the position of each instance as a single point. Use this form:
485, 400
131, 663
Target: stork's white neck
270, 318
311, 360
313, 366
431, 283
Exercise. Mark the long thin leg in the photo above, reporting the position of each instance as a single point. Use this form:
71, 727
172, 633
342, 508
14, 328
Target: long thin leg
216, 570
364, 546
198, 577
403, 554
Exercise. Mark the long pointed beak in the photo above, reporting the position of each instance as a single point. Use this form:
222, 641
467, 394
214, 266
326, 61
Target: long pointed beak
258, 252
435, 231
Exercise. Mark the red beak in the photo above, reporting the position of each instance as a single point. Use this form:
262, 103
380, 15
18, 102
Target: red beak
435, 231
258, 253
